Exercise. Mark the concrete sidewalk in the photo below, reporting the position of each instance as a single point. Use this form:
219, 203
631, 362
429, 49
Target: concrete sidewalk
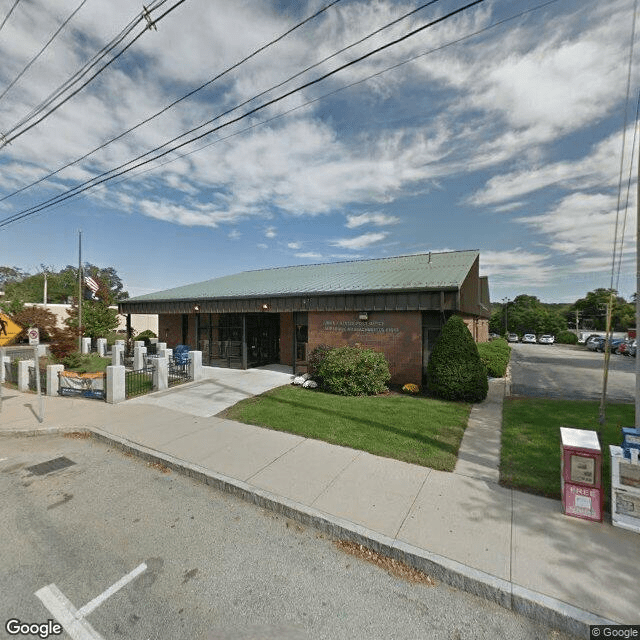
461, 527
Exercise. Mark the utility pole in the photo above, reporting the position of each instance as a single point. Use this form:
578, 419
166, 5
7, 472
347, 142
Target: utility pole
506, 313
80, 291
637, 421
45, 290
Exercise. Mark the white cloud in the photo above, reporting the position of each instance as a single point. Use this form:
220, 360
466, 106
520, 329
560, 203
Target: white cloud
308, 254
360, 242
234, 235
294, 245
270, 232
516, 267
376, 219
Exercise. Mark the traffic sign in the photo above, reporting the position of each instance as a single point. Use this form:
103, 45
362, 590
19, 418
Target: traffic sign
34, 336
9, 330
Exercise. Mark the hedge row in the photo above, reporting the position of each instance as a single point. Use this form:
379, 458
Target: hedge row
495, 356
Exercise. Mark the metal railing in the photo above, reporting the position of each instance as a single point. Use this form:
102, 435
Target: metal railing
137, 383
43, 380
178, 373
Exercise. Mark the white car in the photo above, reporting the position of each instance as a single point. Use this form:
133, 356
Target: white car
529, 337
546, 339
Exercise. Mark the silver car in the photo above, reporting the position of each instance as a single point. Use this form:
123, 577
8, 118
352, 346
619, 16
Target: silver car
546, 339
529, 337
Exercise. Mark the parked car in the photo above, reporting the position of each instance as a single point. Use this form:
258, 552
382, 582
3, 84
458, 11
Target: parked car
622, 349
529, 337
546, 339
631, 349
493, 336
595, 343
512, 337
615, 343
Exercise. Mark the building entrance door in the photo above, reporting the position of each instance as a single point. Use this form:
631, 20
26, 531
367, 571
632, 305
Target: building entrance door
263, 339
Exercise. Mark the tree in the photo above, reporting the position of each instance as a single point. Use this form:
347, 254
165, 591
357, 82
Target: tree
593, 311
97, 318
38, 317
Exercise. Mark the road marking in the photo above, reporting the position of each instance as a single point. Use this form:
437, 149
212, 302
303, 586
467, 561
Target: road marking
66, 614
72, 619
97, 601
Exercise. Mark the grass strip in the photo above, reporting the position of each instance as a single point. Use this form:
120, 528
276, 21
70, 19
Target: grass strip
419, 430
530, 457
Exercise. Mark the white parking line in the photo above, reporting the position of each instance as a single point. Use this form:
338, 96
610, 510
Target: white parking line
72, 619
97, 601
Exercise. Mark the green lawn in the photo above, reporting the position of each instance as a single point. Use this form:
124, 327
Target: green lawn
530, 458
420, 430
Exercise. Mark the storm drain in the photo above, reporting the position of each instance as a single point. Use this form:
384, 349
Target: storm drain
50, 465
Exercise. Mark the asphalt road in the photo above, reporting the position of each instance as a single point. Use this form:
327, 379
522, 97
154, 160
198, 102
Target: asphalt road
571, 372
214, 567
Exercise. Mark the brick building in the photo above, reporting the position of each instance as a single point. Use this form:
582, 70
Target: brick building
394, 305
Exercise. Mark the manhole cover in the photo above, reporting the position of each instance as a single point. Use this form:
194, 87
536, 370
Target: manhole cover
50, 465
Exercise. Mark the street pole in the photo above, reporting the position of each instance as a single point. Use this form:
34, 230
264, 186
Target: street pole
637, 421
80, 291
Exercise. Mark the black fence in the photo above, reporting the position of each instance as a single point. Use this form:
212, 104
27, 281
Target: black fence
43, 380
137, 383
11, 372
178, 373
93, 386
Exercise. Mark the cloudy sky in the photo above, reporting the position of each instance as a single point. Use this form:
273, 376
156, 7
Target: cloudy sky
499, 128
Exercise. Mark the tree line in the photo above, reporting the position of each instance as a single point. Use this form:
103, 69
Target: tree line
526, 314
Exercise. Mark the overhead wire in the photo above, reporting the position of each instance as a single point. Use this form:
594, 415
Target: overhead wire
314, 100
175, 102
8, 138
53, 37
104, 177
607, 350
4, 21
223, 73
84, 69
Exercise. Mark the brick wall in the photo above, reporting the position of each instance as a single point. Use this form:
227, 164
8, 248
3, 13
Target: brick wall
396, 334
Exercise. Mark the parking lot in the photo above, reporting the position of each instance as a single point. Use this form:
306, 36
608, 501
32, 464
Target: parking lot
129, 550
570, 372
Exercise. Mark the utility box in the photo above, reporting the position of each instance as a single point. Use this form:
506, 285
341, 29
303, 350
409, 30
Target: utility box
625, 489
581, 480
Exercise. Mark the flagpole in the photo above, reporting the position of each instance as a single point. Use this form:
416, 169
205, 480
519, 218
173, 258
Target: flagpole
80, 291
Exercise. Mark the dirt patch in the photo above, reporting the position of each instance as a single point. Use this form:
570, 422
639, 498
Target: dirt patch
391, 566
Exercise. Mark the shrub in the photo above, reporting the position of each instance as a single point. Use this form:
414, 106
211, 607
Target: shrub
315, 360
63, 342
455, 371
38, 317
566, 337
495, 357
350, 371
146, 335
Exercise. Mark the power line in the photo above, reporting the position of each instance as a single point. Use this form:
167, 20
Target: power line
15, 4
83, 70
53, 37
104, 177
468, 36
9, 138
175, 102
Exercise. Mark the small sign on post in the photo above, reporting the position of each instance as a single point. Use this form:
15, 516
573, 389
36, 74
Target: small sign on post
34, 336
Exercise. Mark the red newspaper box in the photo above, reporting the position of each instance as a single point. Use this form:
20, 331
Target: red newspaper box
581, 474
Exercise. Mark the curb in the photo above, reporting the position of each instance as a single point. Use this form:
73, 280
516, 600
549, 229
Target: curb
539, 607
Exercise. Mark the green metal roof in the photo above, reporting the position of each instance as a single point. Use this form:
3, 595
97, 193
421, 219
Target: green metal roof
401, 273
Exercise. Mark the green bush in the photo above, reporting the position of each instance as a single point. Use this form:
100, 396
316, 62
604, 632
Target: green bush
495, 357
315, 360
455, 370
566, 337
146, 335
350, 371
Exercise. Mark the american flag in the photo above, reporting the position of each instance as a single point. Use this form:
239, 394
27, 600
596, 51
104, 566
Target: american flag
91, 284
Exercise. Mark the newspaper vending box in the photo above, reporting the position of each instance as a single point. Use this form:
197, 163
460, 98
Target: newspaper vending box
581, 474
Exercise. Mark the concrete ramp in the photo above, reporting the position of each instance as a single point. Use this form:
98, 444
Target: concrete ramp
220, 389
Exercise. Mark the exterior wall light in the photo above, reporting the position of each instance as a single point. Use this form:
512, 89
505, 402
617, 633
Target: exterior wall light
265, 307
196, 308
363, 315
